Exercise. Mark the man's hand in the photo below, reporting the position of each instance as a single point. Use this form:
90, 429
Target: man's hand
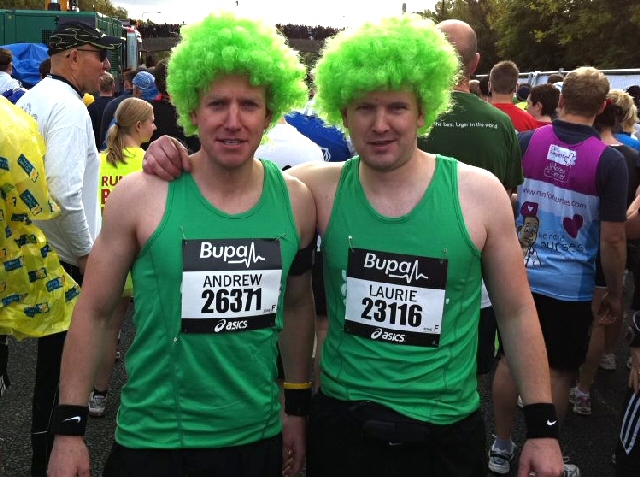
69, 458
541, 457
294, 450
610, 309
166, 158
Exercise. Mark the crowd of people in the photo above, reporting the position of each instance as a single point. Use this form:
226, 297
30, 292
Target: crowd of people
398, 220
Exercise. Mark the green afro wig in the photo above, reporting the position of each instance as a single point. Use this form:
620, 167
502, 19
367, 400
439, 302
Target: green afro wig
224, 44
404, 52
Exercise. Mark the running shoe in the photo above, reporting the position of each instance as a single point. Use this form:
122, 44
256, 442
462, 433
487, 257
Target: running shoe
500, 460
97, 404
608, 362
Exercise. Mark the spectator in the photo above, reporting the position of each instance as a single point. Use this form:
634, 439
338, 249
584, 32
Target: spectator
474, 87
123, 155
555, 78
605, 332
45, 68
503, 81
166, 118
10, 88
37, 295
96, 109
625, 130
543, 102
285, 146
110, 109
566, 160
144, 86
78, 59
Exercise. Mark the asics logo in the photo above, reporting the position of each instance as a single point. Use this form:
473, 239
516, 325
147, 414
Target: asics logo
230, 326
378, 333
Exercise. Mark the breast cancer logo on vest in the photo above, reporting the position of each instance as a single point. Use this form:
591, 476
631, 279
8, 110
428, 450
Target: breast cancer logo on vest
561, 160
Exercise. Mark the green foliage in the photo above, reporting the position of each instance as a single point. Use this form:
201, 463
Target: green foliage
550, 34
102, 6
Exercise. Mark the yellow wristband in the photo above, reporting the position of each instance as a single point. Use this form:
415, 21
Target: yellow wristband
307, 385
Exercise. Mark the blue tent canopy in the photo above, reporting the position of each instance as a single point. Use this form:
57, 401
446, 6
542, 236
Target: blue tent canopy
26, 61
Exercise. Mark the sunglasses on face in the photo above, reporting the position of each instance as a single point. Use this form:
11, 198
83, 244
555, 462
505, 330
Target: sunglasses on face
102, 54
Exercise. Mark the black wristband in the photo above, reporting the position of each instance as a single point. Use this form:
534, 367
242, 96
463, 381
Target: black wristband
541, 420
69, 420
297, 402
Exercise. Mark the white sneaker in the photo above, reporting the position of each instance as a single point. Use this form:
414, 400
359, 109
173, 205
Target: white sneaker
97, 404
608, 362
570, 470
499, 460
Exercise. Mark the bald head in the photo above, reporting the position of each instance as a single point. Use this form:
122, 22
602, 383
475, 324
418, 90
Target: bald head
463, 38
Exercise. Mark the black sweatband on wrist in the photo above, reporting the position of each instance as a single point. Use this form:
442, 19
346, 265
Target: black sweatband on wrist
303, 261
69, 420
541, 420
297, 402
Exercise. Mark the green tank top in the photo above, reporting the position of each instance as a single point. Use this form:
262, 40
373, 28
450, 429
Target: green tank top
208, 294
403, 299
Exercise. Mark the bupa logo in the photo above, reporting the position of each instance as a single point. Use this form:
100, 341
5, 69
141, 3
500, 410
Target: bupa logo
235, 325
380, 334
230, 254
394, 268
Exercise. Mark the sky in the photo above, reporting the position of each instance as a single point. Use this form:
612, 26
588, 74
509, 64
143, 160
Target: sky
336, 13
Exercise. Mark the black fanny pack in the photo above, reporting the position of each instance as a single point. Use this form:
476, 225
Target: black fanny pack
382, 423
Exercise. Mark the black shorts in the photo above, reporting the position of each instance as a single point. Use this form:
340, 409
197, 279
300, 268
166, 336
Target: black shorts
566, 327
486, 354
340, 443
258, 459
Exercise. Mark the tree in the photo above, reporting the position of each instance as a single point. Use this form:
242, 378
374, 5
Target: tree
477, 14
102, 6
550, 34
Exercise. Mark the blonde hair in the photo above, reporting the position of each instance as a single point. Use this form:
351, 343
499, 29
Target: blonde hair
625, 101
129, 112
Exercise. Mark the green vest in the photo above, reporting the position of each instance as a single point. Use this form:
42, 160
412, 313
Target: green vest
209, 292
403, 299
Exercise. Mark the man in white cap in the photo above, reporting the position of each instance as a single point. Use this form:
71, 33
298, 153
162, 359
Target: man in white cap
78, 59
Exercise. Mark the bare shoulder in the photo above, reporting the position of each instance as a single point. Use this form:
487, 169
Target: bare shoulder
317, 175
484, 202
477, 181
137, 194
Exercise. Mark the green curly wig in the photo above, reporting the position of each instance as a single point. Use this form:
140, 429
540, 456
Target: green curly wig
224, 44
395, 53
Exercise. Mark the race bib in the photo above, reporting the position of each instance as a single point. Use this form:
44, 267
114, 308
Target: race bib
230, 285
395, 298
